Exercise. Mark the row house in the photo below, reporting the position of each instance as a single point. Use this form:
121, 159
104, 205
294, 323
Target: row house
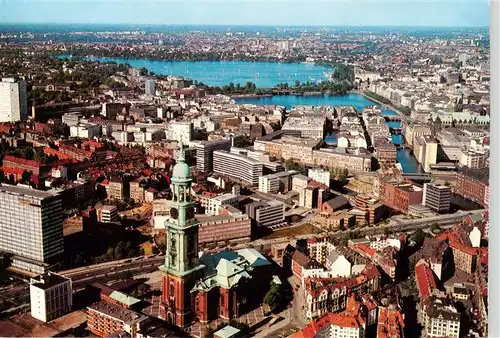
326, 295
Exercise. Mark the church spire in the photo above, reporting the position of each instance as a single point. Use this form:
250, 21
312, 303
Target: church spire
182, 156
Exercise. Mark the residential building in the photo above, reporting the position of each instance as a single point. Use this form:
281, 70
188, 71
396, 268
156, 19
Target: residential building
161, 212
437, 197
326, 295
266, 213
236, 166
441, 319
13, 99
334, 325
114, 188
51, 296
320, 175
473, 159
205, 153
105, 319
473, 184
137, 191
107, 213
465, 258
399, 195
31, 227
215, 203
180, 131
390, 323
438, 255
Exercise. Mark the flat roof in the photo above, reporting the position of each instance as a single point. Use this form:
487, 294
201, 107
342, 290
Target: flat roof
227, 332
117, 312
48, 280
17, 190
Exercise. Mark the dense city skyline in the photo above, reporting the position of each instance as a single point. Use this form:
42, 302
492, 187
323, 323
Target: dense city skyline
277, 13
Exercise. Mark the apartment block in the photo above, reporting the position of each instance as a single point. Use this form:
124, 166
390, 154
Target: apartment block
51, 296
105, 319
107, 213
473, 185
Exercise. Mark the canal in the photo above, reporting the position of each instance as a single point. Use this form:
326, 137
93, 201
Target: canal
404, 156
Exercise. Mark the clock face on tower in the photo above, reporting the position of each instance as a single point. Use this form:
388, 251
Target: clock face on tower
174, 213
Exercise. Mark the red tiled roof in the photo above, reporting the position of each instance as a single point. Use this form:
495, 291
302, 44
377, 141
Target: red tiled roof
425, 280
341, 320
31, 163
365, 250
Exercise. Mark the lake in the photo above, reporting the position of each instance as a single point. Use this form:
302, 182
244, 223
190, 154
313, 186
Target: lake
404, 156
220, 73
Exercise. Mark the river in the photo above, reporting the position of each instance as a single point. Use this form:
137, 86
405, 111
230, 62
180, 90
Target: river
404, 156
221, 73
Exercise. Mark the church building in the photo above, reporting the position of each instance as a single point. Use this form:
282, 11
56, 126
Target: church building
204, 287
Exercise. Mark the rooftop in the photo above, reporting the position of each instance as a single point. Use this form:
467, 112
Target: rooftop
227, 331
48, 280
22, 191
117, 312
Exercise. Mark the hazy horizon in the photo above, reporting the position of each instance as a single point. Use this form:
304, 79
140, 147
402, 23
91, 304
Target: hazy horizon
274, 13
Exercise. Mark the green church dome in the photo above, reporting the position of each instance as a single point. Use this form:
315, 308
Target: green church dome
181, 169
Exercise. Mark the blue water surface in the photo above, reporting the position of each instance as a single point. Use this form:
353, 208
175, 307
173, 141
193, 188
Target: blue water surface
220, 73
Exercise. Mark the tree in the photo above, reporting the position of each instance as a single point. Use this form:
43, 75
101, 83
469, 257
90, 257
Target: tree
418, 237
26, 176
274, 297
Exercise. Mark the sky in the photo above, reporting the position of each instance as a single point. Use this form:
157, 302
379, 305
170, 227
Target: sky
439, 13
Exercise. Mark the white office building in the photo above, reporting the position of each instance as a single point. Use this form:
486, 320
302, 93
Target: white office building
51, 296
236, 166
320, 175
274, 183
266, 213
13, 99
31, 227
205, 153
215, 203
150, 87
180, 131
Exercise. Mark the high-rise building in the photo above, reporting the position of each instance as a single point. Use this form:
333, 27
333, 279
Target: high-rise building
236, 166
205, 153
437, 197
13, 99
150, 87
51, 296
31, 227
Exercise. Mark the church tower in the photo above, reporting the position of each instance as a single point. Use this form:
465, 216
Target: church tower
181, 268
